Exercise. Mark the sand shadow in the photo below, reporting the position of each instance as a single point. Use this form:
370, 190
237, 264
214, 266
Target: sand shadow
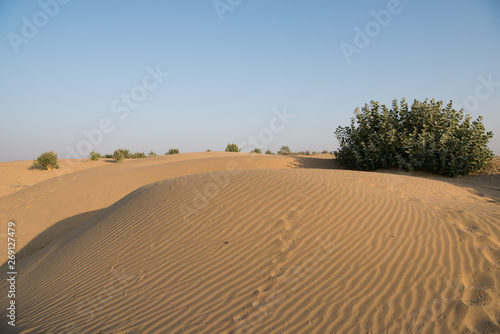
482, 185
78, 224
317, 163
44, 239
35, 167
52, 234
479, 185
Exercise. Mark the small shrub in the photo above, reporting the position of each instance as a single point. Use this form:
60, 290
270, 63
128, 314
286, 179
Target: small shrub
152, 154
269, 152
308, 152
94, 156
47, 160
315, 152
108, 156
138, 155
427, 136
209, 150
285, 150
118, 155
172, 151
232, 148
325, 152
256, 150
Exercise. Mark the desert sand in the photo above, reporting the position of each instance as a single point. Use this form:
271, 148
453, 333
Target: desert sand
220, 242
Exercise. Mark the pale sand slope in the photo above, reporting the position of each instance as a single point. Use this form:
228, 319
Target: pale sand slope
264, 251
17, 175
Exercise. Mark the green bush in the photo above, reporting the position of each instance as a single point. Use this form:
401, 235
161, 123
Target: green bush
108, 156
47, 160
428, 136
94, 156
325, 152
269, 152
232, 148
125, 152
152, 154
119, 155
209, 150
285, 150
256, 150
138, 155
172, 151
315, 152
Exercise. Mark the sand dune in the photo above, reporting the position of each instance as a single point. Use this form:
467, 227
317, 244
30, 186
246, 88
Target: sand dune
249, 244
63, 202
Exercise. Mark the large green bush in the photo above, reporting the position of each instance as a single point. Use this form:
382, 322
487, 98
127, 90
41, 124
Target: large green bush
232, 148
47, 160
427, 136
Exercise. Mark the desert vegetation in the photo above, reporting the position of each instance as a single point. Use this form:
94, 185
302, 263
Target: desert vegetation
285, 150
172, 151
256, 150
426, 136
138, 155
232, 148
94, 156
47, 160
120, 154
124, 153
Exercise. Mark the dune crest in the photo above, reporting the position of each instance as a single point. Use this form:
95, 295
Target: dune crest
54, 206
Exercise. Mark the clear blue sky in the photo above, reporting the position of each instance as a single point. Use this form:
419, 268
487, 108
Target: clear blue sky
227, 76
